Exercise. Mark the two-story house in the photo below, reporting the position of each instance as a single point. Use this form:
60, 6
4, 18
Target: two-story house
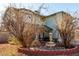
50, 22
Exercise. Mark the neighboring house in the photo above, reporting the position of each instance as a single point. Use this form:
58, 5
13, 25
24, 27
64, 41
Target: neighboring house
76, 38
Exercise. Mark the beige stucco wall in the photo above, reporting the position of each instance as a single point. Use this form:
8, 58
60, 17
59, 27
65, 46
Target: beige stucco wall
24, 14
59, 18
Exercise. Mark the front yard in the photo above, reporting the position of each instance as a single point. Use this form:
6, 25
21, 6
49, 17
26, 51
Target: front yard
9, 50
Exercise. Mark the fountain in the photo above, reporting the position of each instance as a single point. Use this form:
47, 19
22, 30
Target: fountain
52, 50
50, 44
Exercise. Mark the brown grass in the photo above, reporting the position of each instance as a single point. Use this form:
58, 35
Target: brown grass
9, 50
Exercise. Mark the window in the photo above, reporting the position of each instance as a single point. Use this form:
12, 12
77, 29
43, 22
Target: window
28, 18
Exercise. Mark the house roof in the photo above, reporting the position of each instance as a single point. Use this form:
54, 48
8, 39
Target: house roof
36, 13
25, 10
58, 13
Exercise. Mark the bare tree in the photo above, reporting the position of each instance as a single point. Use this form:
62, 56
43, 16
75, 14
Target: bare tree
20, 25
67, 30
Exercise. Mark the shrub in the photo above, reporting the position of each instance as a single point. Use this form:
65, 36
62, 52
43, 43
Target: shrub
13, 40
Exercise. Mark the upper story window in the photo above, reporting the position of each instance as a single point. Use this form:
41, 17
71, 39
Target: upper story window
28, 18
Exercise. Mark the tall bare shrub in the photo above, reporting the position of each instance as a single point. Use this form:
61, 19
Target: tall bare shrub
67, 30
17, 23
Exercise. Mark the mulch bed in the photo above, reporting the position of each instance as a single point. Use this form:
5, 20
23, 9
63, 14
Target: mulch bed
38, 52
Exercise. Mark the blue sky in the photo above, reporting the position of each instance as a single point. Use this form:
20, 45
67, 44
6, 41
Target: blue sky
54, 7
50, 7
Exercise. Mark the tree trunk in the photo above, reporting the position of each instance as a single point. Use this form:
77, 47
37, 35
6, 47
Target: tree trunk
22, 42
